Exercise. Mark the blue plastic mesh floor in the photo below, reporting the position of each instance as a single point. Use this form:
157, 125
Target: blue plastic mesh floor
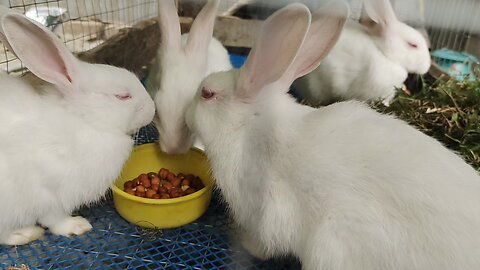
208, 243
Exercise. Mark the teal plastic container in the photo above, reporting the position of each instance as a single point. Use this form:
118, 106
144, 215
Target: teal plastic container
458, 65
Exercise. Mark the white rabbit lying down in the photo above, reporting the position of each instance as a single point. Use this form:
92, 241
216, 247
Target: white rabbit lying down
61, 146
340, 187
181, 64
369, 61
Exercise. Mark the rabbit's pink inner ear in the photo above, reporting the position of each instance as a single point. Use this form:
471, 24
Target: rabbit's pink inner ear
274, 50
326, 27
169, 24
202, 28
380, 11
49, 59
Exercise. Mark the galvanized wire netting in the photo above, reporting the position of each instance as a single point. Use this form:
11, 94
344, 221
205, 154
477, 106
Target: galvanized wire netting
452, 24
84, 24
81, 24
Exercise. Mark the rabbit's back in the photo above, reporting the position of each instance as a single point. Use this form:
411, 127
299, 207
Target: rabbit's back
16, 92
365, 146
50, 155
354, 69
381, 190
218, 58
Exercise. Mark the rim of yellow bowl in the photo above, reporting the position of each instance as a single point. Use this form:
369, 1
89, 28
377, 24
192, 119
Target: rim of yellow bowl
192, 196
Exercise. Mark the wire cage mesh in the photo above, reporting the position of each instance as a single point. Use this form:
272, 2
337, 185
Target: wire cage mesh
208, 243
84, 24
450, 26
81, 25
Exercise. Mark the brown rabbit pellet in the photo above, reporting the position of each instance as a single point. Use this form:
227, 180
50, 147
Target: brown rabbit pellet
163, 185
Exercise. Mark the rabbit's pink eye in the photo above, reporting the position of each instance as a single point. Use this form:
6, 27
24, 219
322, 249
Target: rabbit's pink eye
207, 93
123, 97
412, 45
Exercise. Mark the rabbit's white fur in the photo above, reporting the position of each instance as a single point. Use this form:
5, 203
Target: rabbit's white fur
61, 146
341, 187
179, 68
218, 59
369, 62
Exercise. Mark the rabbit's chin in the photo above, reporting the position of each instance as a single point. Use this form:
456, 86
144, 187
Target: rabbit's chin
180, 145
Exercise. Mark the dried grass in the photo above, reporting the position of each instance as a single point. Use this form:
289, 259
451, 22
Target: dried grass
447, 110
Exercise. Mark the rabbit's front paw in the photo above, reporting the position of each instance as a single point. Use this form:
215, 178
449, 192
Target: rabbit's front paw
24, 235
71, 226
253, 247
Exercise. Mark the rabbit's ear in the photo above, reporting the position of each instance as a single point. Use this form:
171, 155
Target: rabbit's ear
202, 28
327, 25
379, 12
425, 34
274, 50
4, 11
40, 50
169, 24
365, 20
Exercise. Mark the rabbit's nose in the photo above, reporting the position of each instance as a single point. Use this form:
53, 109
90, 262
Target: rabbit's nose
172, 149
165, 147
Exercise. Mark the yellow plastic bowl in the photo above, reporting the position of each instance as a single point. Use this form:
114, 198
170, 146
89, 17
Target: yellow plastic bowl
163, 213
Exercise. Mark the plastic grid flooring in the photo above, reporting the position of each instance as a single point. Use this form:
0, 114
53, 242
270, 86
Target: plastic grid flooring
208, 243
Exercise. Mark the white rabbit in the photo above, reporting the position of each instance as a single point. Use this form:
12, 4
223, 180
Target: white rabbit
181, 64
61, 146
341, 187
369, 60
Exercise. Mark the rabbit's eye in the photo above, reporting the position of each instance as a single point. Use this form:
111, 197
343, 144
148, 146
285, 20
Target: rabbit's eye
123, 97
207, 93
412, 45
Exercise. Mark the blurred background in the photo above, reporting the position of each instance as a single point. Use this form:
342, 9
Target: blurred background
85, 24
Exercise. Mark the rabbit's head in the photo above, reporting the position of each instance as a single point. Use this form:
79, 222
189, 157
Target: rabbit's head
398, 41
181, 68
107, 96
287, 48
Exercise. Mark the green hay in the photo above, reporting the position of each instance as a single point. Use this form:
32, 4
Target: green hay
447, 110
